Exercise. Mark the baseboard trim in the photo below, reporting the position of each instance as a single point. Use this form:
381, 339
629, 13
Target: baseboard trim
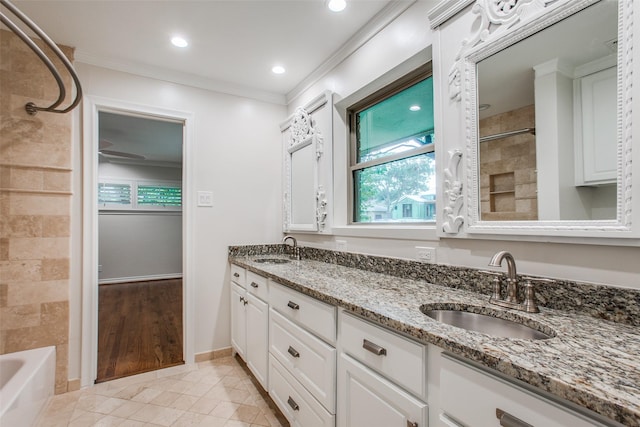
214, 354
139, 279
73, 385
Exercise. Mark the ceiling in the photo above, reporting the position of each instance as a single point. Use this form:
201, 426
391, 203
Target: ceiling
232, 44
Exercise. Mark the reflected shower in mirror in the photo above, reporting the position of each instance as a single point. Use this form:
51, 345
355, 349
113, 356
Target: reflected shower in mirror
547, 110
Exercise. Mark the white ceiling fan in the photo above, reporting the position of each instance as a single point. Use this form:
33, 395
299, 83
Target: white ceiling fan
105, 152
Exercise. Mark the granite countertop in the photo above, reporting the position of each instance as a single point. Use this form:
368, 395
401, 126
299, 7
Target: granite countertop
591, 362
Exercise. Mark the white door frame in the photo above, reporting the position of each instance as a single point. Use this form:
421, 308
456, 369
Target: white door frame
92, 105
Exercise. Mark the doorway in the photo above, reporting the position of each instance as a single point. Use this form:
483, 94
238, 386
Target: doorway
140, 244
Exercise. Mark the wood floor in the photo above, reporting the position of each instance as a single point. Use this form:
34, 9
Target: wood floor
139, 327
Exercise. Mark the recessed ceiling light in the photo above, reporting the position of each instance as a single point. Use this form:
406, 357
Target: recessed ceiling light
336, 5
278, 69
414, 108
179, 41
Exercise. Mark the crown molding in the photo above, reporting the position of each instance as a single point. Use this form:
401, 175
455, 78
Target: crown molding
445, 10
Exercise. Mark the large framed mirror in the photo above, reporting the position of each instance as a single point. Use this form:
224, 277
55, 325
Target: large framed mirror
546, 92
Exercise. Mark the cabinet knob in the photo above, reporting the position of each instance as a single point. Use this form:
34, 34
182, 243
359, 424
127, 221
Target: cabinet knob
374, 348
293, 404
254, 285
241, 299
292, 305
236, 275
508, 420
411, 424
292, 351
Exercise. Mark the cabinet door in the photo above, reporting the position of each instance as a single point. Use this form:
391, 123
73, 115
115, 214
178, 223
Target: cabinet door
257, 338
366, 399
238, 320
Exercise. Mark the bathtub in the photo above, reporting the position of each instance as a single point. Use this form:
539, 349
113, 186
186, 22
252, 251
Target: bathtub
27, 380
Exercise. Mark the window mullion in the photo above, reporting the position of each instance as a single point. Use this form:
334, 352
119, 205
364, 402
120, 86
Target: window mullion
391, 158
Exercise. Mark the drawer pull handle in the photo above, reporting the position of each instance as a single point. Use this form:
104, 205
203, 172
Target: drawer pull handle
508, 420
254, 285
241, 299
411, 424
236, 275
292, 351
374, 348
292, 305
293, 404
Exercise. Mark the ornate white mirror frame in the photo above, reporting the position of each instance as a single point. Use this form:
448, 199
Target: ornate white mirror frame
303, 137
502, 24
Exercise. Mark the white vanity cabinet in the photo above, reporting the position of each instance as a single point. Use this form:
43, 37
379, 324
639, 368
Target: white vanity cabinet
473, 396
302, 357
382, 377
250, 321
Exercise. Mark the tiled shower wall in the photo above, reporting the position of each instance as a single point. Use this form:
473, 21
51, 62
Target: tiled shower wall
508, 180
35, 207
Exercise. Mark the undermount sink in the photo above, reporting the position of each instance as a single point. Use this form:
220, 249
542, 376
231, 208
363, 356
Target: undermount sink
484, 320
272, 260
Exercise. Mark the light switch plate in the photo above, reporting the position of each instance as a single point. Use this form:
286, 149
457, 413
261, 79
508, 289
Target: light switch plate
205, 198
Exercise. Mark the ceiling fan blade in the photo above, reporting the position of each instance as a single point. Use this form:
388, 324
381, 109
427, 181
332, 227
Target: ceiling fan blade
122, 154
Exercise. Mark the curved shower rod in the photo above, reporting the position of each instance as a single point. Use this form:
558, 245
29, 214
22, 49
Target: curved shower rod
31, 107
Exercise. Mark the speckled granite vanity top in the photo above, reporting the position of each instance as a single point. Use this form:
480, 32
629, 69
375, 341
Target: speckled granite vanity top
591, 362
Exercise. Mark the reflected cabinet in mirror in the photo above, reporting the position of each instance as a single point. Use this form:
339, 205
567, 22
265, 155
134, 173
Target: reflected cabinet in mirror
547, 95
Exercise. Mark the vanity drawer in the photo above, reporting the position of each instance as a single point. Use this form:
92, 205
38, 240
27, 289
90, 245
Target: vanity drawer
316, 316
401, 360
295, 402
238, 275
257, 285
471, 396
310, 360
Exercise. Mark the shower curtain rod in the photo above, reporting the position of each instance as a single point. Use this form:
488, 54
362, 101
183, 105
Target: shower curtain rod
532, 131
31, 107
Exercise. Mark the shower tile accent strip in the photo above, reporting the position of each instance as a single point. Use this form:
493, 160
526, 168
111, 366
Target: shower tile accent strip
602, 302
591, 362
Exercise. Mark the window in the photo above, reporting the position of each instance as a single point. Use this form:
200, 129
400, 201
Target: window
122, 194
392, 163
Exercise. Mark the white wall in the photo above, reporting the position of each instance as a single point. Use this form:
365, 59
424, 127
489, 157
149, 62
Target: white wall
394, 51
237, 158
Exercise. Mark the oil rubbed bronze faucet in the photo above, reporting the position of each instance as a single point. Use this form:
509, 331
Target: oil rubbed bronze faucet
296, 249
511, 301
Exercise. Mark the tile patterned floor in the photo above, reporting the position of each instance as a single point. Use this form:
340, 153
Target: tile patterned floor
216, 393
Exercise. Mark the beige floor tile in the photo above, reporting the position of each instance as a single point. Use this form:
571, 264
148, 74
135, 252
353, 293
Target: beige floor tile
197, 389
184, 402
146, 395
167, 416
224, 410
84, 419
245, 413
110, 405
192, 419
237, 396
131, 423
129, 391
204, 405
127, 409
89, 402
109, 421
166, 398
147, 413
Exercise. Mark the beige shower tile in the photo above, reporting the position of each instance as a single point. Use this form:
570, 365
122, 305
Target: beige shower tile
38, 247
56, 226
24, 225
57, 181
20, 293
19, 316
21, 271
3, 288
26, 179
55, 269
39, 204
37, 153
